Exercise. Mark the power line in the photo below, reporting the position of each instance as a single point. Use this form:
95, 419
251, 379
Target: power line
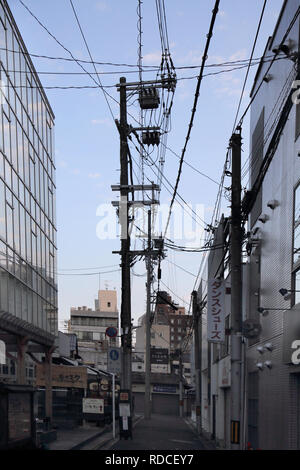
191, 166
90, 56
182, 300
180, 267
86, 269
166, 179
215, 11
90, 74
248, 69
144, 67
268, 69
218, 200
89, 274
69, 52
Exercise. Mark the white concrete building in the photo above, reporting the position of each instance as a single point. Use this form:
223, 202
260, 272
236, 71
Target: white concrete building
90, 327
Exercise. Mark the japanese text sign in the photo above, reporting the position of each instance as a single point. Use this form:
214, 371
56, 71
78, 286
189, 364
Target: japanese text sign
216, 311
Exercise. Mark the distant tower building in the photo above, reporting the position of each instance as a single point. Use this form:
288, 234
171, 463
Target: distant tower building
90, 327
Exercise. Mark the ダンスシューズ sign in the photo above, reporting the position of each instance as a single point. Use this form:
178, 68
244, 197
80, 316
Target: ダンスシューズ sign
216, 310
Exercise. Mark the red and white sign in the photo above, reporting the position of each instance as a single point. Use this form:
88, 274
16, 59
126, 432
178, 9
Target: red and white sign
216, 311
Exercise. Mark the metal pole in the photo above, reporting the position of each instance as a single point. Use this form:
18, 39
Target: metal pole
114, 405
198, 359
236, 292
125, 244
147, 412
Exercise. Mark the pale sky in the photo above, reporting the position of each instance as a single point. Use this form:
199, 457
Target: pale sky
87, 142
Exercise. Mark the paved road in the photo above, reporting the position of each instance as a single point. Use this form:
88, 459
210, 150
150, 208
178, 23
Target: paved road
161, 433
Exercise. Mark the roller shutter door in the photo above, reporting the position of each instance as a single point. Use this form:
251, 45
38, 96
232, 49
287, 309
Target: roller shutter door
165, 404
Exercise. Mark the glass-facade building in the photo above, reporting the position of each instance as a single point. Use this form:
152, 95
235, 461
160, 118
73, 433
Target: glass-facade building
28, 287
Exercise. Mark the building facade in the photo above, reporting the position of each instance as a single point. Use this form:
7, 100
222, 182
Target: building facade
270, 367
169, 313
28, 287
90, 326
273, 407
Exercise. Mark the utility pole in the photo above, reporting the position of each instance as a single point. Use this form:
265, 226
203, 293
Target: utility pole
148, 402
198, 359
148, 99
236, 292
125, 244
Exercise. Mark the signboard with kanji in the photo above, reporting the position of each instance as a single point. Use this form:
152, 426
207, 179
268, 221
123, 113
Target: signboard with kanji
159, 356
63, 376
93, 405
216, 311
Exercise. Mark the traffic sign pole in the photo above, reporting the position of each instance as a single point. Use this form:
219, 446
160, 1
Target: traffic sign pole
114, 404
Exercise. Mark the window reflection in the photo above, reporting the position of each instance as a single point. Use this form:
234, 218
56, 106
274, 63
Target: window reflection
27, 190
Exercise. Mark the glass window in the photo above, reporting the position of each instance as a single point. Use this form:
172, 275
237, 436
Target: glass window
2, 212
9, 225
6, 136
3, 43
16, 226
13, 146
3, 289
296, 286
20, 151
11, 295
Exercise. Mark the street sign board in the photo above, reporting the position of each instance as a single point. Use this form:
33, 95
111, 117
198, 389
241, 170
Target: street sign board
114, 360
111, 332
164, 388
93, 405
159, 356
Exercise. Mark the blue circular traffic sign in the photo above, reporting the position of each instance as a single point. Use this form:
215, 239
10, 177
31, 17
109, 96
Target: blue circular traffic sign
114, 354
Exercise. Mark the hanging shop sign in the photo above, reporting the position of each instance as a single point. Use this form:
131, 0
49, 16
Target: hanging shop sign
216, 311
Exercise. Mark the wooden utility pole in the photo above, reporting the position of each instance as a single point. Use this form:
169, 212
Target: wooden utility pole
197, 358
236, 292
125, 244
147, 413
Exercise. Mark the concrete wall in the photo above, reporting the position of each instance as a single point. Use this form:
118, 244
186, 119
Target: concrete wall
275, 428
